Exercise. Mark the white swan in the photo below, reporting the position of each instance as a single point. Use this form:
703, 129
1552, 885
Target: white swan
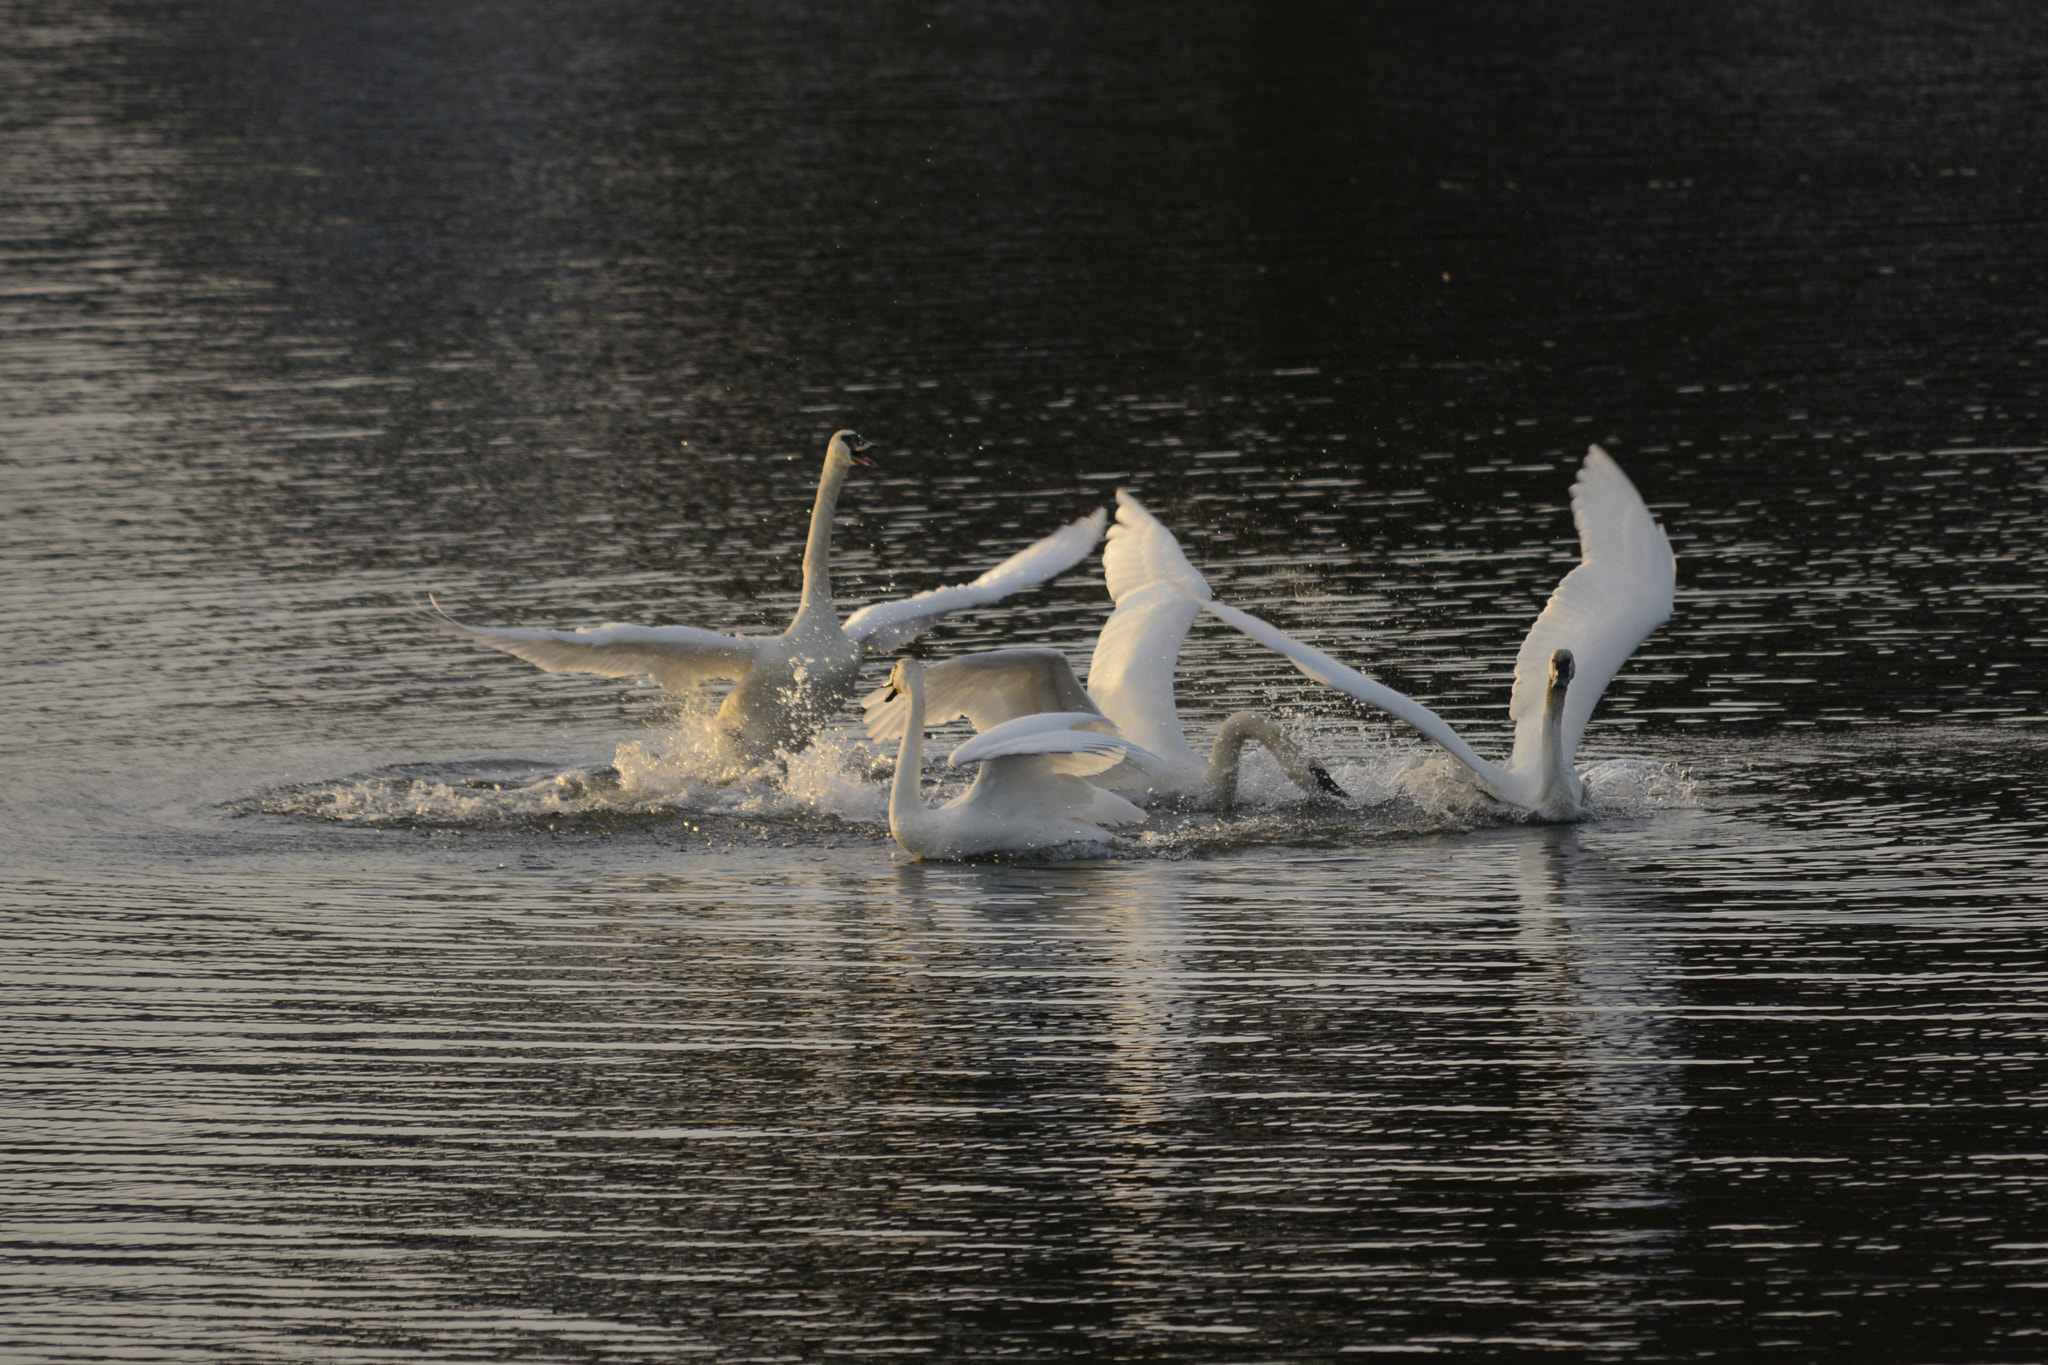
1029, 794
1621, 590
787, 686
1130, 681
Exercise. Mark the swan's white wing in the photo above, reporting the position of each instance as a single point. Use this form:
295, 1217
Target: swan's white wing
1620, 592
1131, 674
1142, 552
1051, 732
884, 627
674, 656
1030, 783
988, 688
1351, 682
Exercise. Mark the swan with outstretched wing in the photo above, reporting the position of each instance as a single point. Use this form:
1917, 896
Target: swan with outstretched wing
1623, 588
1130, 686
787, 686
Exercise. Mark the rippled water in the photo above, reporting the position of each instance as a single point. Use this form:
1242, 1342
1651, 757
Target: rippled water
368, 995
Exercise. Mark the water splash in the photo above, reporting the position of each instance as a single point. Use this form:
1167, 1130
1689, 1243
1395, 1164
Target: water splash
679, 769
1626, 788
1439, 788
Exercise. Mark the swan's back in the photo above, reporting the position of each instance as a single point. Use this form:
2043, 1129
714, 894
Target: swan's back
1024, 800
1622, 590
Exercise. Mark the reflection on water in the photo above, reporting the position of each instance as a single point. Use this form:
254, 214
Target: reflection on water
1521, 1089
1602, 997
366, 994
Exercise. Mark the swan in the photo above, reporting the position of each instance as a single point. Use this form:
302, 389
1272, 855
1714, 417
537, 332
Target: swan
1130, 682
787, 686
1028, 795
1621, 590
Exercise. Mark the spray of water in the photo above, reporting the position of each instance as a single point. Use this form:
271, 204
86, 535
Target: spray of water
680, 769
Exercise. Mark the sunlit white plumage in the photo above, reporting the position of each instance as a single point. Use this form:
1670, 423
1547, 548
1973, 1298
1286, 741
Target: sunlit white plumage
787, 686
1158, 594
1622, 589
1029, 794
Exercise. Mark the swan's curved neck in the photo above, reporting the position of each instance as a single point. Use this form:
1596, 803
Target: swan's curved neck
1240, 730
906, 806
817, 596
1220, 781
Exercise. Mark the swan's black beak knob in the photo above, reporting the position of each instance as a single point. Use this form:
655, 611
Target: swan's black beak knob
855, 444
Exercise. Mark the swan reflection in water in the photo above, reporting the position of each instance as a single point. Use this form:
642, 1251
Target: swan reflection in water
1601, 1003
1077, 992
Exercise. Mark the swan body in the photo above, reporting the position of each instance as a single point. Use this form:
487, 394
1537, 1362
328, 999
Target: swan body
787, 686
1622, 589
1030, 793
1131, 674
1130, 688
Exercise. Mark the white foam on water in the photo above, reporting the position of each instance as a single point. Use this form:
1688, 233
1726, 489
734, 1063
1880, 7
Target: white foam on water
679, 768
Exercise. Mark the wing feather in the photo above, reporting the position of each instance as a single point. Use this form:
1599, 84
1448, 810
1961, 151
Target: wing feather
1131, 675
1622, 589
1352, 683
988, 688
1050, 732
1141, 551
884, 627
677, 657
1158, 594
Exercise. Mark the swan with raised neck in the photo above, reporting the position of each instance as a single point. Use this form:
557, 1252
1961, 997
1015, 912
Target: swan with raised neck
787, 686
1131, 682
845, 450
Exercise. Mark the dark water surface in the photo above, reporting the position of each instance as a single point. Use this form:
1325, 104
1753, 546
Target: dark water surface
366, 996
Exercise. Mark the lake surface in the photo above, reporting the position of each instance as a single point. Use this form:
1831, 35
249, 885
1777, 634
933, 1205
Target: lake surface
366, 995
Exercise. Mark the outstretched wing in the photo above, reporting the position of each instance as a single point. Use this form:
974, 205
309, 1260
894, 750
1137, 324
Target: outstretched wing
1066, 733
677, 657
884, 627
1352, 683
1157, 594
988, 688
1141, 552
1621, 591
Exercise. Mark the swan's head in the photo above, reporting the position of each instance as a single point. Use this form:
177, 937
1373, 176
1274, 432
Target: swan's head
1561, 669
847, 446
907, 674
